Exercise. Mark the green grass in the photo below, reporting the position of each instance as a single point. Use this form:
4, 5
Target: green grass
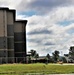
35, 68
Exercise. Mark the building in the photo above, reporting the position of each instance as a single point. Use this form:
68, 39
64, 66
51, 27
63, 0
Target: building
12, 37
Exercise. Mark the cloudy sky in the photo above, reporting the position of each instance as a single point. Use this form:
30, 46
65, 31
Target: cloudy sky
50, 23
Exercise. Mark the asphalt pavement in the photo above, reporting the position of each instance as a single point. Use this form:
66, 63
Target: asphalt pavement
61, 74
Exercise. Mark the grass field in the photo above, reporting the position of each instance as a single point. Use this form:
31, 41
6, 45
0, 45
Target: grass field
19, 69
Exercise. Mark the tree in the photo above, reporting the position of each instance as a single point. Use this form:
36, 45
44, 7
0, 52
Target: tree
37, 55
64, 60
71, 53
48, 57
55, 55
34, 54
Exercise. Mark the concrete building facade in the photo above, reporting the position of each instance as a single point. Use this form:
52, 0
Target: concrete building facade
12, 37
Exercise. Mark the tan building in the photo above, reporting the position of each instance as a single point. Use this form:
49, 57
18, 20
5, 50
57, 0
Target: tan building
12, 37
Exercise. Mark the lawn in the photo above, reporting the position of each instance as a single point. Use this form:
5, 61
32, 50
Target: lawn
19, 69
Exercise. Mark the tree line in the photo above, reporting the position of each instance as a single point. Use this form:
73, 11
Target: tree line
48, 59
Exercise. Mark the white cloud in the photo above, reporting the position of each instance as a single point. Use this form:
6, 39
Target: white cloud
60, 38
9, 3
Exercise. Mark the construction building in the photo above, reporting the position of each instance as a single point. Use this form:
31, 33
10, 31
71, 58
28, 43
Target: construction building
12, 37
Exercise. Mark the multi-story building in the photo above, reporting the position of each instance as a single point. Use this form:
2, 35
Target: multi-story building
12, 37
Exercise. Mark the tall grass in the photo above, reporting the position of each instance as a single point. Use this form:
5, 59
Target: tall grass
36, 68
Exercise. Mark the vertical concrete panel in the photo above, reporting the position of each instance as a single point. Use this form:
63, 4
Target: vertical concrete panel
5, 30
10, 35
5, 22
18, 27
1, 23
10, 18
3, 34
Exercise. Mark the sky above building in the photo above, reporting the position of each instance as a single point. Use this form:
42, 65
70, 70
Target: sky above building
50, 23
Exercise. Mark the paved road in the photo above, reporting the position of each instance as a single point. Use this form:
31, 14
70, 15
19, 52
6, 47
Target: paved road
61, 74
46, 74
63, 64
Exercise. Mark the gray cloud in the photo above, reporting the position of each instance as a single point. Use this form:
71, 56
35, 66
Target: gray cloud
40, 6
47, 3
43, 6
49, 43
37, 31
34, 40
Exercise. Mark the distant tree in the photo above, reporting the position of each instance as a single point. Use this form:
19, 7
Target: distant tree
64, 60
55, 55
71, 53
37, 55
34, 54
48, 58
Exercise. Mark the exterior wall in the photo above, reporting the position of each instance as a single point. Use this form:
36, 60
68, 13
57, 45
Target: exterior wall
12, 37
19, 38
3, 23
